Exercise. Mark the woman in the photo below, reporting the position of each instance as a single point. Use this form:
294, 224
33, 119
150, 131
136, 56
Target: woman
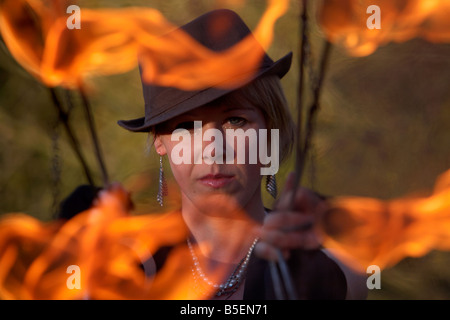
221, 200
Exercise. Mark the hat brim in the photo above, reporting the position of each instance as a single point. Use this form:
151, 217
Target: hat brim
202, 97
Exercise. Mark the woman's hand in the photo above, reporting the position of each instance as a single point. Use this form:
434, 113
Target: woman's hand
292, 223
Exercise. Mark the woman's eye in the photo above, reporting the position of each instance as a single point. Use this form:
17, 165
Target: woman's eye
188, 125
237, 121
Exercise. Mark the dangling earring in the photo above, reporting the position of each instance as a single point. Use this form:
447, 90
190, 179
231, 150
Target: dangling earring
162, 190
271, 185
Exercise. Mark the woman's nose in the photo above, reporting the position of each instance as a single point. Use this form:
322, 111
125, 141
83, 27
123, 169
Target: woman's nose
213, 148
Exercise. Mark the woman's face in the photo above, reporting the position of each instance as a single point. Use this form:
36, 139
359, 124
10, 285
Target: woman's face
204, 181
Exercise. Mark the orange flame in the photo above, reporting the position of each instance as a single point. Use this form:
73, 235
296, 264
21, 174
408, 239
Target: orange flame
110, 41
345, 23
112, 250
366, 231
105, 242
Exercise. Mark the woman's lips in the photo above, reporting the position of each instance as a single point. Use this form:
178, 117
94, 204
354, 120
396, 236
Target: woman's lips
216, 180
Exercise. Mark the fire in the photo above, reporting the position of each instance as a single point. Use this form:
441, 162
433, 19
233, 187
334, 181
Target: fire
345, 23
111, 40
366, 231
111, 249
105, 242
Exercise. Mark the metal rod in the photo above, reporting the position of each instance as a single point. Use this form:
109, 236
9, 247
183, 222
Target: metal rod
64, 118
93, 132
276, 280
285, 283
287, 278
301, 66
310, 124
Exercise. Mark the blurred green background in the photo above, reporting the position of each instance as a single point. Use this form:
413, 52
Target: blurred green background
382, 131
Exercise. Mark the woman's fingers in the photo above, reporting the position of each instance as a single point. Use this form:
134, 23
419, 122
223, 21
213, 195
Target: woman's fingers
290, 240
291, 224
266, 251
269, 252
271, 242
304, 201
285, 232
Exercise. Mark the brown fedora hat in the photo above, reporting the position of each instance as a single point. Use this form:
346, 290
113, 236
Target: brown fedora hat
164, 103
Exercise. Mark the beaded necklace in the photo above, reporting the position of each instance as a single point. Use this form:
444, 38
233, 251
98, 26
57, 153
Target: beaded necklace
235, 279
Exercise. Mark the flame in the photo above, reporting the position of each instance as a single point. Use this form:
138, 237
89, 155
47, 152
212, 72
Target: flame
110, 41
109, 246
23, 25
366, 231
345, 23
34, 256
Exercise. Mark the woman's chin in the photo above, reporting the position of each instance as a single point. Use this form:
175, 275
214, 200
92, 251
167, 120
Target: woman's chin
219, 204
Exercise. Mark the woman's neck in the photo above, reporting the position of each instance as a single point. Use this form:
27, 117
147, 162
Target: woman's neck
223, 234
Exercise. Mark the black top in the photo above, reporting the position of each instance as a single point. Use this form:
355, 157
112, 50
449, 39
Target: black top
315, 275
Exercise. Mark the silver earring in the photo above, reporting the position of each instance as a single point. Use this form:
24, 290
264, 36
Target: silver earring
162, 190
271, 185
